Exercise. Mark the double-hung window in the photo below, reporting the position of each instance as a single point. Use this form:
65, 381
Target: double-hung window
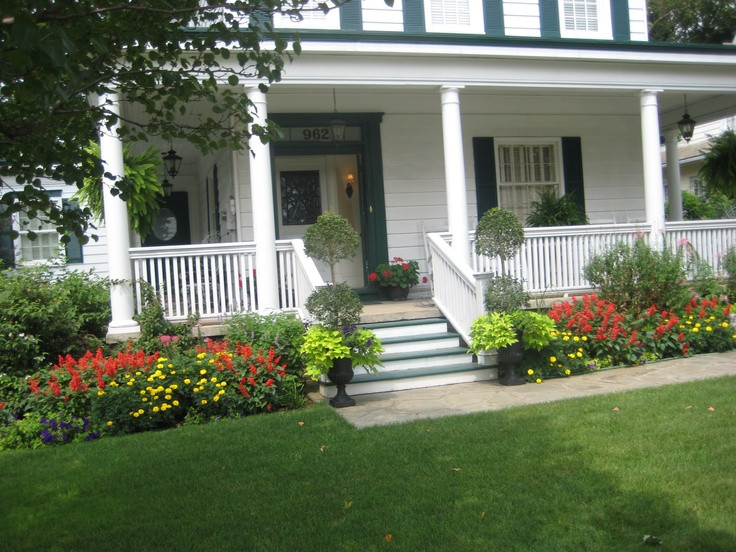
45, 246
454, 16
585, 19
525, 169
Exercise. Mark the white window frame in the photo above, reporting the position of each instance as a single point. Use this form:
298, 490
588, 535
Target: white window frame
312, 18
59, 258
605, 28
527, 142
475, 25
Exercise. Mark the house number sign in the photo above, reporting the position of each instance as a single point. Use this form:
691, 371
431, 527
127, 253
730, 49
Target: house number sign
316, 134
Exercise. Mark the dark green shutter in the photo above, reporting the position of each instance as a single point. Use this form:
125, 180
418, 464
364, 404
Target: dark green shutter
549, 18
73, 246
484, 161
493, 13
572, 166
621, 20
414, 16
351, 16
7, 246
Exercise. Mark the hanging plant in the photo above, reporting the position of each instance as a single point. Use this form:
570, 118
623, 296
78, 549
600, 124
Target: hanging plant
139, 188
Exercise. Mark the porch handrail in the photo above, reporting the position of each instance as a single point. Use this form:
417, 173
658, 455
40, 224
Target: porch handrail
458, 291
217, 280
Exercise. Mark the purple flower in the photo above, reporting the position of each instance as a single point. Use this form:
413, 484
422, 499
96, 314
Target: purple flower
85, 423
47, 438
347, 330
368, 343
92, 436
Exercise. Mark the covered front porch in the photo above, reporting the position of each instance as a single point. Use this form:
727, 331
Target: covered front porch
418, 163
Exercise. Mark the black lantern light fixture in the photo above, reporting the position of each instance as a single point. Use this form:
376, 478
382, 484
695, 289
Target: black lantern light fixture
337, 126
168, 187
686, 124
172, 162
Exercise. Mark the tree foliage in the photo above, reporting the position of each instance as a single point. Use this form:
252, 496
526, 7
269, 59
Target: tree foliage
698, 21
163, 57
719, 165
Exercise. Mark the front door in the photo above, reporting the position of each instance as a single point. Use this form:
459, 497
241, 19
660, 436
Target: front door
308, 186
171, 226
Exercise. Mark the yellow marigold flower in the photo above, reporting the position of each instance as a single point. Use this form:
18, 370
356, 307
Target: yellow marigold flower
204, 401
571, 355
724, 324
169, 365
212, 361
135, 414
200, 356
213, 379
695, 330
195, 389
553, 359
579, 354
539, 380
131, 382
167, 397
690, 317
221, 392
164, 406
138, 373
530, 371
155, 397
698, 325
708, 329
109, 423
576, 338
173, 386
173, 372
224, 383
216, 398
113, 384
567, 372
585, 338
143, 392
159, 366
156, 409
176, 403
203, 371
144, 399
711, 318
141, 411
187, 381
100, 393
566, 338
203, 381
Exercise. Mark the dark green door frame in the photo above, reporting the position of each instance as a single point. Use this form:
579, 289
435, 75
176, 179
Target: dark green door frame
372, 202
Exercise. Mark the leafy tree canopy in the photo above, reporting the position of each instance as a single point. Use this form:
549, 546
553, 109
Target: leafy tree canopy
166, 56
697, 21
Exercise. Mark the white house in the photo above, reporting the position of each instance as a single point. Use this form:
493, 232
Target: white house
449, 108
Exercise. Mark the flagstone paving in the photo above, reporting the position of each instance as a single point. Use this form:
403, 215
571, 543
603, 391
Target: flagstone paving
464, 398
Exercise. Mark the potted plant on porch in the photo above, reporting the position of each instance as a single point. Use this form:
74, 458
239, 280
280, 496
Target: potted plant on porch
396, 277
507, 327
335, 344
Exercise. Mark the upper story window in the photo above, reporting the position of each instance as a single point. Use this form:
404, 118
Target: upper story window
312, 17
585, 19
454, 16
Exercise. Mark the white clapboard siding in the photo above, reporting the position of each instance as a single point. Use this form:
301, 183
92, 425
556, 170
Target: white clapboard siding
521, 18
638, 20
377, 16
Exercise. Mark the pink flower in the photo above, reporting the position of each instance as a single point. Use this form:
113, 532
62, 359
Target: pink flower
425, 280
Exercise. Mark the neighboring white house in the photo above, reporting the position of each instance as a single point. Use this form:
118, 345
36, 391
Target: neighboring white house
449, 108
46, 247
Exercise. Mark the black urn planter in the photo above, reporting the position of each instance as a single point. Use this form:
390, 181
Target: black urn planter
396, 293
340, 374
509, 359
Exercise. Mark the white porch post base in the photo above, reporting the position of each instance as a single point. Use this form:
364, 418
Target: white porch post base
653, 186
264, 228
674, 183
455, 187
118, 232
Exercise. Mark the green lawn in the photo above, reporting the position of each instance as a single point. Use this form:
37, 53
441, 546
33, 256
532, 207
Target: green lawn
568, 476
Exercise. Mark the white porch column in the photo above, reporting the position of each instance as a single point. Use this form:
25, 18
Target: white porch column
122, 305
674, 185
457, 202
264, 228
653, 186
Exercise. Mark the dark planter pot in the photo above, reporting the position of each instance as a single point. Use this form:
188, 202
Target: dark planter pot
340, 374
509, 359
396, 293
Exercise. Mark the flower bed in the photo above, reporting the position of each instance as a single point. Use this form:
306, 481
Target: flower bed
92, 396
592, 334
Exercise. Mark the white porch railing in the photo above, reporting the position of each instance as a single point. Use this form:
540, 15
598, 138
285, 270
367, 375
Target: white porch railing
552, 260
217, 280
707, 239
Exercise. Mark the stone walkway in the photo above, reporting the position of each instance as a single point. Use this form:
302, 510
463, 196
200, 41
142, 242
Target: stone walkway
434, 402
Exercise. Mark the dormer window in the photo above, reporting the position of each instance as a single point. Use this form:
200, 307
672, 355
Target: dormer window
585, 19
454, 16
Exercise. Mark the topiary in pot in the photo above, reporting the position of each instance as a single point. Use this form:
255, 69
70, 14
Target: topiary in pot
499, 233
331, 239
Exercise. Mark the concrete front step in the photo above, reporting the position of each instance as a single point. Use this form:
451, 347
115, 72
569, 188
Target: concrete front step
407, 328
363, 384
420, 343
